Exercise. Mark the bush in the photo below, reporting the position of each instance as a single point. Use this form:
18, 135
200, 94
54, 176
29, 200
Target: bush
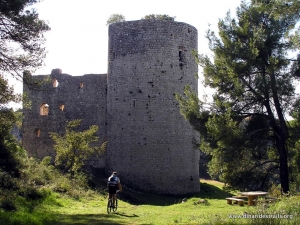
287, 207
39, 173
7, 181
7, 201
275, 191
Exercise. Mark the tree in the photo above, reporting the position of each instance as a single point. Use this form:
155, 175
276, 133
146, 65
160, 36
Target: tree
73, 148
294, 144
253, 77
11, 154
115, 18
9, 149
280, 8
9, 161
7, 93
236, 153
21, 42
158, 17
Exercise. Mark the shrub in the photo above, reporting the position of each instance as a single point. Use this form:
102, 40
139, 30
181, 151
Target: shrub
7, 181
7, 201
287, 207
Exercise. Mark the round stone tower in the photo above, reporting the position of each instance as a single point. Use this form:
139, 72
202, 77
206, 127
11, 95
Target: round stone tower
149, 143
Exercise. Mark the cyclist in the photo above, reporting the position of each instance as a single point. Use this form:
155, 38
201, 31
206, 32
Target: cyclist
113, 185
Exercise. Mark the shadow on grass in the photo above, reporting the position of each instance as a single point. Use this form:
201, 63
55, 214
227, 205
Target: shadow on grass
142, 198
91, 219
212, 192
145, 198
126, 215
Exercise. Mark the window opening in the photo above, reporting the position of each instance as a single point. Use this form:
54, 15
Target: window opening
81, 85
62, 107
55, 83
44, 109
37, 132
180, 56
134, 103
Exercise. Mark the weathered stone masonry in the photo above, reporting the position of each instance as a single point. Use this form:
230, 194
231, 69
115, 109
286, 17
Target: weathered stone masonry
149, 142
78, 97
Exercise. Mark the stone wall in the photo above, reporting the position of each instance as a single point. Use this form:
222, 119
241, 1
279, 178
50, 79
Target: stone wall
149, 143
75, 97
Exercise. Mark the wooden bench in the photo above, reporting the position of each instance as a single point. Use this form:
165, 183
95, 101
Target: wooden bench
236, 200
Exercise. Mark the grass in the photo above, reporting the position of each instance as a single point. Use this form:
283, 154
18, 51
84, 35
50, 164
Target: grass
57, 209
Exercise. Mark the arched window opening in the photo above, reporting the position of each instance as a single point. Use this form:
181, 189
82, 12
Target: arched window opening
37, 132
55, 83
44, 109
62, 107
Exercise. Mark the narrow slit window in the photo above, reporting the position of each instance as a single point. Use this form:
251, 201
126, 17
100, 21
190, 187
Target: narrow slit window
134, 103
44, 109
180, 56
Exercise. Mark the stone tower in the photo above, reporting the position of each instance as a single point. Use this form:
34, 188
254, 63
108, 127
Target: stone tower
149, 143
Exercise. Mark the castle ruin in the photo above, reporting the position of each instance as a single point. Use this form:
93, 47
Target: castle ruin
149, 143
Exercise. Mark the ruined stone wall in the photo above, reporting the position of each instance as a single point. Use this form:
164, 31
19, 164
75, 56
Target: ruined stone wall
75, 97
149, 143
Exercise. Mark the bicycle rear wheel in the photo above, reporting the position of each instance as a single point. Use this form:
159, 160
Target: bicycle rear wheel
109, 206
116, 206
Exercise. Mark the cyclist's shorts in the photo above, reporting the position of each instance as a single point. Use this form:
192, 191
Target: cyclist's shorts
112, 189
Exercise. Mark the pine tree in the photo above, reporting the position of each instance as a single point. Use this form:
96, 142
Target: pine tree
253, 76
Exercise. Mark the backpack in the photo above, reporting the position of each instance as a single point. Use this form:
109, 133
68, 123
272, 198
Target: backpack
112, 182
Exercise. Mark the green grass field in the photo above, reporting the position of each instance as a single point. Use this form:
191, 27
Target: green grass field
150, 209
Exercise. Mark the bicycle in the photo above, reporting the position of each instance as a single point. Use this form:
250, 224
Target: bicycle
110, 206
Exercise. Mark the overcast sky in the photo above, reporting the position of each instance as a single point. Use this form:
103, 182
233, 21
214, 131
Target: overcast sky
78, 40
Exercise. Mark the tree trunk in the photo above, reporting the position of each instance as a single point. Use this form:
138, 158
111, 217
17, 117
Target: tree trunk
282, 133
280, 138
283, 167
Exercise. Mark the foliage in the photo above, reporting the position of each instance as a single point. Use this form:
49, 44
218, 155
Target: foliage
21, 47
22, 37
284, 211
158, 17
115, 18
10, 152
7, 93
294, 154
74, 148
37, 182
58, 209
280, 8
245, 130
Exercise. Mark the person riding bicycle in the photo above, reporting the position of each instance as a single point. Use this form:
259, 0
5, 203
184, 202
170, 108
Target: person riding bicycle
113, 185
